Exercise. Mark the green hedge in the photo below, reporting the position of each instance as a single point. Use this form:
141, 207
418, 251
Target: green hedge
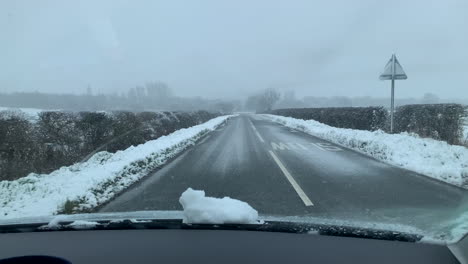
363, 118
438, 121
59, 139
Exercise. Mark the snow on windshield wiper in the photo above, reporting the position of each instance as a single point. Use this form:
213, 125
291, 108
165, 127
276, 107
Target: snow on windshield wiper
208, 213
265, 226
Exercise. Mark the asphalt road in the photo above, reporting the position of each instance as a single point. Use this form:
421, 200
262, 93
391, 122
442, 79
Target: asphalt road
280, 171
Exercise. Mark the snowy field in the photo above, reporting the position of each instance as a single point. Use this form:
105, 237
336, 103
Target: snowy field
30, 114
88, 184
430, 157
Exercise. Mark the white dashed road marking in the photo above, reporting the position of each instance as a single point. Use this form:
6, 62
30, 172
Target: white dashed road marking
299, 146
291, 180
327, 147
256, 132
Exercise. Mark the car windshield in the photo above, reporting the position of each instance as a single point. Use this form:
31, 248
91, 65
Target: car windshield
351, 113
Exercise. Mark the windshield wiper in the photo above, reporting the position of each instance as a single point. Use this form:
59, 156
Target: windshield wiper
267, 226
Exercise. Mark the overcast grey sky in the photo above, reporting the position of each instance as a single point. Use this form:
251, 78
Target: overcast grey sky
219, 49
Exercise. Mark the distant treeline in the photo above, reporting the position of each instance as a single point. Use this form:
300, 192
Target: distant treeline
269, 99
59, 139
289, 100
154, 96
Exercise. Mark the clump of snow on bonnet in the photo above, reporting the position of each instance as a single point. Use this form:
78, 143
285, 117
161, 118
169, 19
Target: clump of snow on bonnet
199, 209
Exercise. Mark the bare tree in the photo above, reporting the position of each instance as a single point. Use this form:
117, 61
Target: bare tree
263, 101
159, 91
268, 98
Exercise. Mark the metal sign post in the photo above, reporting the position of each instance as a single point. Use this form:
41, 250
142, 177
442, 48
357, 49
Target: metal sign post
393, 71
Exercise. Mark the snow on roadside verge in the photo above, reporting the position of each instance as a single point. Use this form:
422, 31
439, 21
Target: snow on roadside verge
465, 135
199, 209
430, 157
83, 186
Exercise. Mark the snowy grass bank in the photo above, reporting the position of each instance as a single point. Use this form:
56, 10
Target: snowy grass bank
465, 135
465, 130
83, 186
433, 158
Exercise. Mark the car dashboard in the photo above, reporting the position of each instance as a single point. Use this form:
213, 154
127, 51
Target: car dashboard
215, 246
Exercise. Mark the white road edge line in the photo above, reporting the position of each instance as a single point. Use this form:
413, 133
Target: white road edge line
291, 180
203, 140
256, 132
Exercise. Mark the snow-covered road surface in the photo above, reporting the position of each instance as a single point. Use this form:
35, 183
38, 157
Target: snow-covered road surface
341, 183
